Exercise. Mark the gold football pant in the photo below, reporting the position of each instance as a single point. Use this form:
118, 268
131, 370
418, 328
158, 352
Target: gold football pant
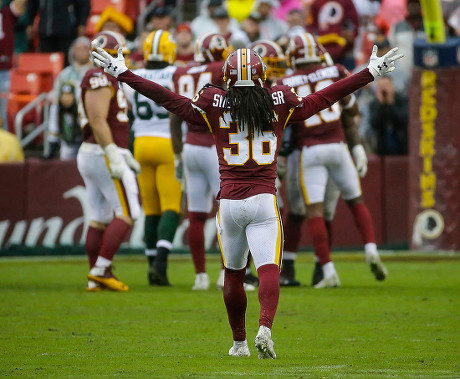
160, 190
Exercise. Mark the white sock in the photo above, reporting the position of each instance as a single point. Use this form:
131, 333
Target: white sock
289, 256
370, 248
328, 269
248, 271
103, 262
316, 259
151, 252
264, 329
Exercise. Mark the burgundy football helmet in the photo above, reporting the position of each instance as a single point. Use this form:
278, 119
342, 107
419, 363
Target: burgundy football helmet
211, 47
303, 48
110, 42
272, 55
244, 68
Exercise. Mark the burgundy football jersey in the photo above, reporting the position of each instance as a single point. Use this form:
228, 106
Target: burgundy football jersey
325, 126
187, 82
247, 167
117, 117
7, 21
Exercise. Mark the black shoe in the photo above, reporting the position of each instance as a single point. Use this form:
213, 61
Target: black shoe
317, 274
156, 278
251, 279
288, 282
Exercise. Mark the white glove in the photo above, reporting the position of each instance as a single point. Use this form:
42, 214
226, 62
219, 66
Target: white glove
115, 160
359, 155
111, 65
178, 167
132, 163
379, 66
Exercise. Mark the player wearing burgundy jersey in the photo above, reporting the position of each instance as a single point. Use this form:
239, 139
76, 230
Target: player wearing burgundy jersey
106, 166
247, 123
198, 153
324, 154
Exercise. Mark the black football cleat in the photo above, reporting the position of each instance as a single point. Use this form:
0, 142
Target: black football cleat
317, 274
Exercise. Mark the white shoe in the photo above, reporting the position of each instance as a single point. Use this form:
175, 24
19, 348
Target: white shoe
201, 282
329, 281
377, 267
220, 280
240, 349
265, 344
249, 287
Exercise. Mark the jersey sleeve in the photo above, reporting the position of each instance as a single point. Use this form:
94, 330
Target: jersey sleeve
173, 102
320, 100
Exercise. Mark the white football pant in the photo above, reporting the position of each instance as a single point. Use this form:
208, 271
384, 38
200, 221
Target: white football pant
250, 224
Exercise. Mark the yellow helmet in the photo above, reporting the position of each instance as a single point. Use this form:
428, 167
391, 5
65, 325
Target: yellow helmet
159, 46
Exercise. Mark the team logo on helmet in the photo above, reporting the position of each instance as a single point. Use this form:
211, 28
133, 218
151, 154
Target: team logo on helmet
244, 68
211, 47
110, 42
273, 56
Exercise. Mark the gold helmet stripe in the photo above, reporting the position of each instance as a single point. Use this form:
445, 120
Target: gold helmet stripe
311, 44
244, 65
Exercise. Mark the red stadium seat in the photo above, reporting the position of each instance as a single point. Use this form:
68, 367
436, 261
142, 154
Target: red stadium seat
98, 6
46, 65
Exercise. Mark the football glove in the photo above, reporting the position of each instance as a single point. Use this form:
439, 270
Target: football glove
359, 155
379, 66
178, 167
115, 161
132, 163
111, 65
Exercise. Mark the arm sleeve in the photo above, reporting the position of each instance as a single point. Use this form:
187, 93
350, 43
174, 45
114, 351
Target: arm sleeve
320, 100
177, 104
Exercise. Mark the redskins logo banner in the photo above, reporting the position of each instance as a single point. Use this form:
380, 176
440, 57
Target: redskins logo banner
434, 148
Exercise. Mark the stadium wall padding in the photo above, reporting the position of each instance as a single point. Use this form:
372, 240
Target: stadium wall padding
43, 209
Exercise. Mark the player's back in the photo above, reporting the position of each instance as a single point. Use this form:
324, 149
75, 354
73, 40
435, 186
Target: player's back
117, 117
247, 167
151, 119
188, 81
325, 126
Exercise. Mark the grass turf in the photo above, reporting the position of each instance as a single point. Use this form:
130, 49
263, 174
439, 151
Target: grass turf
405, 327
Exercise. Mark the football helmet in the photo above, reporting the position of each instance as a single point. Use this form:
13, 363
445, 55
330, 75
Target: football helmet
272, 55
159, 46
244, 68
211, 47
110, 42
303, 48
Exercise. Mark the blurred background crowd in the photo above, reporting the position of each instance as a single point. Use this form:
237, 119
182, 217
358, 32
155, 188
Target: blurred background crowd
63, 29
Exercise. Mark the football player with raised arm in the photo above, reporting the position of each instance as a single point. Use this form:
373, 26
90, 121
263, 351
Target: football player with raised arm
324, 154
160, 191
107, 167
247, 123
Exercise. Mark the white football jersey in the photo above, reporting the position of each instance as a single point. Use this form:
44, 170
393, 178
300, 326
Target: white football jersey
151, 119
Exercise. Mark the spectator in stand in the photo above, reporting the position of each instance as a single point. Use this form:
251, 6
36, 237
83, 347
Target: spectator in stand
160, 19
296, 22
67, 85
251, 26
204, 23
405, 32
112, 20
10, 148
287, 6
270, 26
236, 36
184, 40
336, 23
9, 16
389, 116
60, 22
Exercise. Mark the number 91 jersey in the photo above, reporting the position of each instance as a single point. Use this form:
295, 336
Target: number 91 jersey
151, 119
117, 117
325, 126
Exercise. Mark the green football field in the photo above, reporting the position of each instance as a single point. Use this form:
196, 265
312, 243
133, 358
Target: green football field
405, 327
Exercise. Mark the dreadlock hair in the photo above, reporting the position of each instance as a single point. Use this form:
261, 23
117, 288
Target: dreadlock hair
253, 107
